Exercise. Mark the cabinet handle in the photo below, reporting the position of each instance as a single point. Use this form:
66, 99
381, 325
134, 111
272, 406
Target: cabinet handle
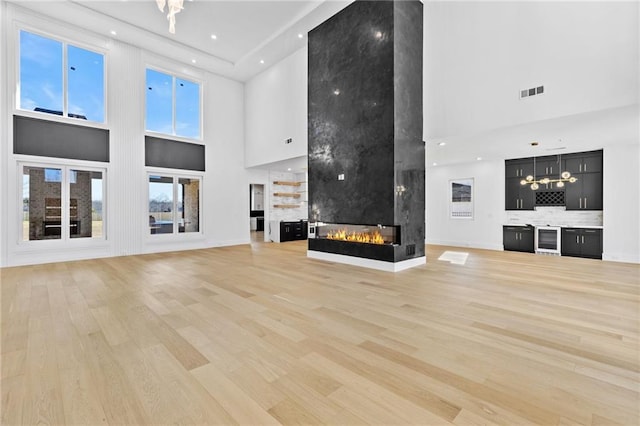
585, 167
577, 239
580, 202
583, 239
585, 202
580, 167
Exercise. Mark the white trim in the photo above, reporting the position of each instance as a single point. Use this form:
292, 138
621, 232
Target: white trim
368, 263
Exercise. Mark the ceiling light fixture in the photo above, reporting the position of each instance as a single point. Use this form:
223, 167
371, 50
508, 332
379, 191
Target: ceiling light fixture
173, 6
113, 32
262, 61
300, 36
478, 158
535, 183
193, 61
214, 37
442, 143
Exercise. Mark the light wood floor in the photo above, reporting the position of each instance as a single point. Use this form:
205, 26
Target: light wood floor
259, 334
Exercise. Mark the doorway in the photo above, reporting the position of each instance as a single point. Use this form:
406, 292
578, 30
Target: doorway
256, 212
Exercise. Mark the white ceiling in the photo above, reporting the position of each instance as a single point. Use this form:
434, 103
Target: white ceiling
247, 32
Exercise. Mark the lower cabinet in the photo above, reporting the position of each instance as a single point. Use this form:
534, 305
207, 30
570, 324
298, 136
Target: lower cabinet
291, 231
582, 242
518, 238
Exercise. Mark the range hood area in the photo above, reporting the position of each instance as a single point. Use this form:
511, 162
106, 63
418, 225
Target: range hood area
366, 154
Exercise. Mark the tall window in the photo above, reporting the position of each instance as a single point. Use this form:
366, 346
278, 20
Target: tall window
61, 79
174, 204
173, 105
61, 203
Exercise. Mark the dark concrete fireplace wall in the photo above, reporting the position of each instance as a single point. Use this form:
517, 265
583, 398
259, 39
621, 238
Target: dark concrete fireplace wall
365, 122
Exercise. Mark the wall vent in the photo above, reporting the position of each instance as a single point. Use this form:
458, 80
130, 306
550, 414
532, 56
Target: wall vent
527, 93
411, 249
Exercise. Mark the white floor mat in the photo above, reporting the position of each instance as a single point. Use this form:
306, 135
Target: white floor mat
456, 257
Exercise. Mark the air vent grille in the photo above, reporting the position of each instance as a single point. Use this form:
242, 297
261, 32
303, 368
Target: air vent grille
527, 93
411, 249
550, 198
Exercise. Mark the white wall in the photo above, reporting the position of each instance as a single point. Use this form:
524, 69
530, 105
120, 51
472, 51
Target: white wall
622, 203
485, 229
224, 210
275, 110
481, 54
3, 134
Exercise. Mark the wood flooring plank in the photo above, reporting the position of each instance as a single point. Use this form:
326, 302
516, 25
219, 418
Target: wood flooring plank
260, 334
238, 404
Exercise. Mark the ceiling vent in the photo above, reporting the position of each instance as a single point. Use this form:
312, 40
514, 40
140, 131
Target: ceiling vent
527, 93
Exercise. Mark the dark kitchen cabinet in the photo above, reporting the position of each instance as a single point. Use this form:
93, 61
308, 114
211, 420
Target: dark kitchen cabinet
518, 196
548, 166
584, 162
582, 242
586, 192
518, 238
292, 231
519, 168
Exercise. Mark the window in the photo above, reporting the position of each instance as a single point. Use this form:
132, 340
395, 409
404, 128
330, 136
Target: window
59, 203
173, 105
61, 79
174, 204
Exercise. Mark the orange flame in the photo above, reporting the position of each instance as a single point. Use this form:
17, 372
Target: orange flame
359, 237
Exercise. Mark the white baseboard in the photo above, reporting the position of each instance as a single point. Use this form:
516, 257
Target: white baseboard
621, 257
367, 263
467, 244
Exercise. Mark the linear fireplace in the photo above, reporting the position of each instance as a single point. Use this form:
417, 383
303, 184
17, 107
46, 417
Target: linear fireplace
365, 234
374, 242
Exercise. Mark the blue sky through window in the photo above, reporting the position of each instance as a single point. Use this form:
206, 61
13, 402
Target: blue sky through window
41, 78
160, 105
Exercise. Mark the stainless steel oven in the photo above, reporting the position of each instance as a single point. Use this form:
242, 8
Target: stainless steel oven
547, 240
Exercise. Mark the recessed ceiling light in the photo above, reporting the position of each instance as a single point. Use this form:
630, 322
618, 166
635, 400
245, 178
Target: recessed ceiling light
300, 36
214, 37
336, 92
113, 32
434, 163
379, 34
442, 143
193, 61
478, 158
262, 61
288, 169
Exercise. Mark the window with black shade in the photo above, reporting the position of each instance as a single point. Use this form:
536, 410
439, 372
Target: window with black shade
172, 105
60, 79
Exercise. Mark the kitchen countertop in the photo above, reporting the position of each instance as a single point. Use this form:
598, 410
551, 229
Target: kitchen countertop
561, 226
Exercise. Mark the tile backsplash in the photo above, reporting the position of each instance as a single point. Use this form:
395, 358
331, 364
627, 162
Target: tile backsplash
555, 216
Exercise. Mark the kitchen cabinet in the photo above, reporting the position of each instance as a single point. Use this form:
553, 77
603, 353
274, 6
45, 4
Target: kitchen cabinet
292, 231
584, 162
518, 238
582, 242
586, 192
519, 168
518, 196
548, 166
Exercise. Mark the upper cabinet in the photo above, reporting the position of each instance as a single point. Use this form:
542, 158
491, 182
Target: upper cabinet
518, 196
586, 192
583, 194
